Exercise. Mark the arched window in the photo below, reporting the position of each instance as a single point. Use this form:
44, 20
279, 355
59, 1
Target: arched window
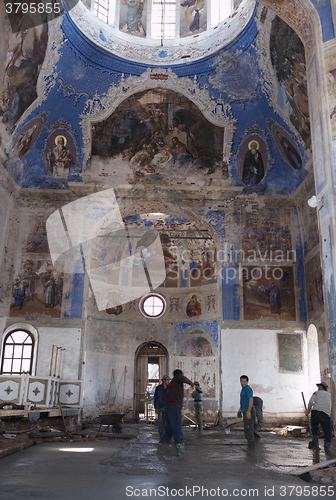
18, 352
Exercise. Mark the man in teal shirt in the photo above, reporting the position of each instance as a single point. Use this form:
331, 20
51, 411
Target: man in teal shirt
247, 410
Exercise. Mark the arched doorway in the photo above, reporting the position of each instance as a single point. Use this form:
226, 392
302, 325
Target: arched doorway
151, 363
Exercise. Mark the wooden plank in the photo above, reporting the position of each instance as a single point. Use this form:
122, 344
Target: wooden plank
11, 413
310, 468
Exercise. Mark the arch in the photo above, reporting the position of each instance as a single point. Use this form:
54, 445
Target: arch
147, 353
101, 107
32, 333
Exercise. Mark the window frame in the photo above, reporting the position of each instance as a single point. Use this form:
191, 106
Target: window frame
32, 332
147, 296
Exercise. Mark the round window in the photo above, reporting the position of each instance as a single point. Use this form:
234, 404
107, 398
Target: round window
152, 305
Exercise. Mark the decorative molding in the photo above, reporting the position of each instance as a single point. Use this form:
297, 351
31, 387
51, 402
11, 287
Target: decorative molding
101, 107
149, 51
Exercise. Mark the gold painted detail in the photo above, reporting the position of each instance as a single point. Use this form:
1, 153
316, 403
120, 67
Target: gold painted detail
8, 390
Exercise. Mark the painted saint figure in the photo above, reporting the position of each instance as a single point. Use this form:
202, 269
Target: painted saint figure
192, 13
291, 154
188, 138
274, 299
20, 294
193, 306
50, 293
59, 158
24, 141
253, 170
133, 17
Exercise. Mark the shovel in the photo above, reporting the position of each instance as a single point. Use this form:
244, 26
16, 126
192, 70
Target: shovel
311, 443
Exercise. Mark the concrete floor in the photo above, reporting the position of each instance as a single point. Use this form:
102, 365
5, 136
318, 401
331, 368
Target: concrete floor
121, 469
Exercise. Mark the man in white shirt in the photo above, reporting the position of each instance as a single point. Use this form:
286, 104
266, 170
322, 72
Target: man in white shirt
320, 404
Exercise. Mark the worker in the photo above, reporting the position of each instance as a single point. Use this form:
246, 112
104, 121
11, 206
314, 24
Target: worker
320, 407
197, 394
247, 410
173, 414
258, 405
160, 402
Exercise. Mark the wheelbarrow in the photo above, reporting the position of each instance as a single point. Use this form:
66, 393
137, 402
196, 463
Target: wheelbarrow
111, 419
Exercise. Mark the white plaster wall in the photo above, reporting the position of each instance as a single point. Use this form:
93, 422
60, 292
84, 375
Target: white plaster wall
255, 354
68, 338
106, 389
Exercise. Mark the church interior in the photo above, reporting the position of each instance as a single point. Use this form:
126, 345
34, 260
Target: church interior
167, 202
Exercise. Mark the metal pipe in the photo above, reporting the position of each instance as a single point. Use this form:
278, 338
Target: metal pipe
51, 361
55, 367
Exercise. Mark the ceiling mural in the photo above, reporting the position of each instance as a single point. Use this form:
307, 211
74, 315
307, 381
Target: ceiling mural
159, 135
288, 60
25, 56
119, 122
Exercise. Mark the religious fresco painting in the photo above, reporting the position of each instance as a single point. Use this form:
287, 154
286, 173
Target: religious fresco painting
114, 303
26, 53
267, 233
288, 59
37, 290
308, 226
193, 305
133, 17
28, 136
268, 292
196, 346
252, 159
193, 17
37, 240
287, 147
314, 286
60, 153
158, 135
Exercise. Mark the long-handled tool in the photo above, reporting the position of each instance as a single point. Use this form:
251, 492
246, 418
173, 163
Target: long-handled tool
311, 444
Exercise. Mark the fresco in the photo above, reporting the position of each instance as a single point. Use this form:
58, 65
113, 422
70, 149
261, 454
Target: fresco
196, 346
267, 231
314, 286
37, 290
60, 153
189, 261
287, 147
116, 307
37, 241
268, 292
193, 305
25, 56
157, 135
252, 159
288, 59
193, 17
133, 17
308, 226
27, 137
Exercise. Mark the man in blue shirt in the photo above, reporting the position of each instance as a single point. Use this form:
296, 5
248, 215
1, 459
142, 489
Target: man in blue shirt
248, 410
160, 402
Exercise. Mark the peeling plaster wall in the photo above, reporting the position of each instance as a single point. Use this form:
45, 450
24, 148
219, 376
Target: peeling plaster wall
80, 85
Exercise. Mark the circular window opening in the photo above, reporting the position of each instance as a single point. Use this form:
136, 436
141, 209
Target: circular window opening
153, 305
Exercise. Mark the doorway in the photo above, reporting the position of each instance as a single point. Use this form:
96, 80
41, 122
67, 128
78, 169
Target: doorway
151, 361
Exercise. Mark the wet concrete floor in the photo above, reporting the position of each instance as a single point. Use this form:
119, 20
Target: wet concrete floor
216, 465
